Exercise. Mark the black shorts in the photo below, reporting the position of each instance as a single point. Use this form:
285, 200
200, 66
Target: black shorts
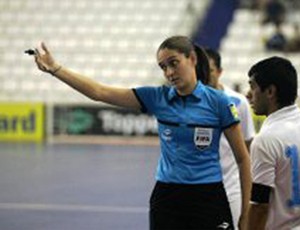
187, 207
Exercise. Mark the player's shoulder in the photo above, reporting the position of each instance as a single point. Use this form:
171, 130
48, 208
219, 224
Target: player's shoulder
210, 95
264, 142
215, 92
270, 133
230, 92
237, 97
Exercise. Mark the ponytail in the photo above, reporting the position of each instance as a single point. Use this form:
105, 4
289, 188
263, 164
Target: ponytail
202, 67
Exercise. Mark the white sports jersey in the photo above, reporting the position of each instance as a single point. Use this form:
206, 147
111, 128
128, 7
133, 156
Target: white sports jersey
229, 166
231, 178
275, 156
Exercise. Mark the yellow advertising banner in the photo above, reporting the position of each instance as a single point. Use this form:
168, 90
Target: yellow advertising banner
22, 121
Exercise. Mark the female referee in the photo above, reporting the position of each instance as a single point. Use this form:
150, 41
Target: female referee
189, 192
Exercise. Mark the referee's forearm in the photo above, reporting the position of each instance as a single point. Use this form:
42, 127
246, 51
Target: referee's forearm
236, 141
246, 183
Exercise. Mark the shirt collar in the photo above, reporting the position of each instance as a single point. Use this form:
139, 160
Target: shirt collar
282, 113
196, 93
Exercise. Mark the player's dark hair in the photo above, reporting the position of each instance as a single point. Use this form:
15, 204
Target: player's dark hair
215, 56
279, 72
184, 45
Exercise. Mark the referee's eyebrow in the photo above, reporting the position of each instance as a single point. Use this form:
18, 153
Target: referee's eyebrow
163, 62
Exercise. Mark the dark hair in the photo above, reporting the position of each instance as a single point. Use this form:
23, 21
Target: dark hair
184, 45
215, 56
279, 72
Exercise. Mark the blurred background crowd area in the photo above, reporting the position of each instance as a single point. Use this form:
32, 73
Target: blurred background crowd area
115, 42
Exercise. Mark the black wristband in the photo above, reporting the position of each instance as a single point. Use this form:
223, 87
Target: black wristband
56, 70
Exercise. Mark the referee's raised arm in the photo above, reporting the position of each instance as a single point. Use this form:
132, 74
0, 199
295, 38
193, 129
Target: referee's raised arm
123, 97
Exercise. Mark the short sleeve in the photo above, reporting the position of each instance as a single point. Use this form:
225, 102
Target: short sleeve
228, 112
247, 124
262, 162
148, 98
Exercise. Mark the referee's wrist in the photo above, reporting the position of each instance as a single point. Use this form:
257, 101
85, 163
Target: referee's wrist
55, 69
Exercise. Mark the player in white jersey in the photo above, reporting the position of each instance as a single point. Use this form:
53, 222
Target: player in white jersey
229, 166
275, 151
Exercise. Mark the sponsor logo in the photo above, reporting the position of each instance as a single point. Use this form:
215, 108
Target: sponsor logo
80, 121
224, 225
21, 121
167, 134
127, 124
14, 123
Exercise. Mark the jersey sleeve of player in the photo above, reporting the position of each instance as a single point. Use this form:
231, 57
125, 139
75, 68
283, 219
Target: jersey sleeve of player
262, 162
247, 123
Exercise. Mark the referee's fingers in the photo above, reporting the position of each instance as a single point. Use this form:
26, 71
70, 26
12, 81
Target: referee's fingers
37, 60
37, 52
40, 66
44, 47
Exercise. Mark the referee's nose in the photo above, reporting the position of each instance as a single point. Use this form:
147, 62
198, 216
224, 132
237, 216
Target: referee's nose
169, 71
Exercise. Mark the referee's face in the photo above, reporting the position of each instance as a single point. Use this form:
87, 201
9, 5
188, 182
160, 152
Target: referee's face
178, 69
258, 99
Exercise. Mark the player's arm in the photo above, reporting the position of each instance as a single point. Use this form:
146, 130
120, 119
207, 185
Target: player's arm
236, 141
247, 124
96, 91
259, 207
258, 214
248, 143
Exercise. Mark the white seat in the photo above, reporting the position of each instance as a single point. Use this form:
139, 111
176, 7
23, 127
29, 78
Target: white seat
111, 41
243, 46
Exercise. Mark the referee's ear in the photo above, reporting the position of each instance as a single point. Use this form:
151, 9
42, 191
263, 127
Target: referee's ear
194, 58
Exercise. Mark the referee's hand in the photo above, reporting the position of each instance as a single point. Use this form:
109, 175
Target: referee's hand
44, 60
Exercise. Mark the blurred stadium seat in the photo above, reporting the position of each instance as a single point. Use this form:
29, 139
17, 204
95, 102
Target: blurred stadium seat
244, 45
111, 41
114, 42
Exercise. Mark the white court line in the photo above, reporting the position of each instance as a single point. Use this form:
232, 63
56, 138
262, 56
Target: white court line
84, 208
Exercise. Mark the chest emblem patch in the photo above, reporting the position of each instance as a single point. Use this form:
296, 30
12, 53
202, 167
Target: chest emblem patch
203, 137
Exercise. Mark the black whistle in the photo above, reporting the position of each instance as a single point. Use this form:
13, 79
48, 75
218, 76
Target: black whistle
30, 52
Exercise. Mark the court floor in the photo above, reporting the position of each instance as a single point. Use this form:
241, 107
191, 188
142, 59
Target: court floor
75, 187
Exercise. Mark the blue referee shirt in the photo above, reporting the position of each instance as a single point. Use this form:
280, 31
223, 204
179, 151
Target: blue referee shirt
189, 130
